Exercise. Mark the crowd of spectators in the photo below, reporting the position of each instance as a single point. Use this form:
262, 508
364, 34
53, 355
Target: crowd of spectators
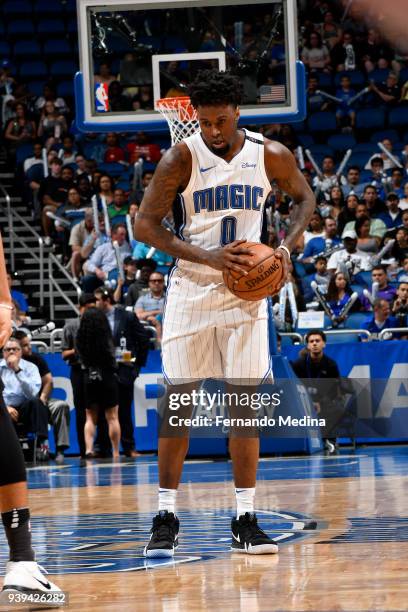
80, 186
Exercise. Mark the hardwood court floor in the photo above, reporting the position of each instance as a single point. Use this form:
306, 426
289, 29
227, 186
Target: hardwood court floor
90, 524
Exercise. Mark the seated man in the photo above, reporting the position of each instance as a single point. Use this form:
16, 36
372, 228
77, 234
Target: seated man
22, 383
384, 291
381, 319
400, 304
123, 286
102, 265
58, 410
393, 217
119, 207
351, 257
141, 285
149, 307
318, 246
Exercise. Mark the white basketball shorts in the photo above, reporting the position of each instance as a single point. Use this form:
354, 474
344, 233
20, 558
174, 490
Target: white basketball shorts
209, 333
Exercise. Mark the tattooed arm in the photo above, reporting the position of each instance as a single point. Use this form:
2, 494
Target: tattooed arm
172, 173
280, 166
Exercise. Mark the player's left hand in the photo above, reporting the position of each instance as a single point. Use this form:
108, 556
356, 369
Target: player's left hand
5, 326
283, 256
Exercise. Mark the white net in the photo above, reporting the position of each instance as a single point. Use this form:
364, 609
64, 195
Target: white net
180, 116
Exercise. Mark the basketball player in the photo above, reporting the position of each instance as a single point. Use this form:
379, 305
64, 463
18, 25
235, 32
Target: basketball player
223, 175
23, 574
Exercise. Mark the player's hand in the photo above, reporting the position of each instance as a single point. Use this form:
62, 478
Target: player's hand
285, 259
5, 326
235, 256
13, 413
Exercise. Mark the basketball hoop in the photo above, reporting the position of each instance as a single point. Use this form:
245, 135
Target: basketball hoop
180, 115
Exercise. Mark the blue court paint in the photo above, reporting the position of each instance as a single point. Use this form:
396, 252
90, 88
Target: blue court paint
87, 543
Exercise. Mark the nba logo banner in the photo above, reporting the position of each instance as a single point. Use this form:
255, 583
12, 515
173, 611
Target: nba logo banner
101, 97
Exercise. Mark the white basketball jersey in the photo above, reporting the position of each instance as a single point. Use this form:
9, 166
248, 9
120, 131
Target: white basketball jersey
223, 201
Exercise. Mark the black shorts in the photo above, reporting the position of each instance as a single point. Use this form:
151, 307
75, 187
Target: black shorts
102, 393
12, 468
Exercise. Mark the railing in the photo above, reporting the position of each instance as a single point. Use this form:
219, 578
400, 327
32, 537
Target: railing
387, 330
53, 284
342, 332
11, 216
294, 335
55, 340
39, 344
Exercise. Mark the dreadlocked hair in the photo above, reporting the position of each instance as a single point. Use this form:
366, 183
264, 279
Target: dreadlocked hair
94, 341
213, 88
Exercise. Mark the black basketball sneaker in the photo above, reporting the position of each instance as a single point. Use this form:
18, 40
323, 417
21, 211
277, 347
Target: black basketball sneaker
248, 537
163, 535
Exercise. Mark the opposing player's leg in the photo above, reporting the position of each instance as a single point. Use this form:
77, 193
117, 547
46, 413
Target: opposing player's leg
23, 574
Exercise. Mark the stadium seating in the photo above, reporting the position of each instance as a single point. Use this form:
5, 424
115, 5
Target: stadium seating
26, 49
370, 118
322, 122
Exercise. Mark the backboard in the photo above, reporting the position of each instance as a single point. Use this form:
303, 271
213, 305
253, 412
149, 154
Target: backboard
134, 52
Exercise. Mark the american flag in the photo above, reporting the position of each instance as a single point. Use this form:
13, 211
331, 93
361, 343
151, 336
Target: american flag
272, 93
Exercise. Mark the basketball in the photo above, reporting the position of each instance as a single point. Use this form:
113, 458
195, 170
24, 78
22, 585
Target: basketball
263, 278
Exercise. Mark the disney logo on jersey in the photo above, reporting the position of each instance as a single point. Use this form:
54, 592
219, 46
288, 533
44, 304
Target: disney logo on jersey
224, 197
247, 165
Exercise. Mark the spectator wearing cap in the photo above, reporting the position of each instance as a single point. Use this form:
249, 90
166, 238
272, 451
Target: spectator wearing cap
141, 285
103, 265
70, 355
351, 257
385, 291
119, 206
393, 217
381, 319
123, 286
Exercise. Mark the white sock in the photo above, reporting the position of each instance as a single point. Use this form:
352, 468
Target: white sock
167, 499
245, 500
